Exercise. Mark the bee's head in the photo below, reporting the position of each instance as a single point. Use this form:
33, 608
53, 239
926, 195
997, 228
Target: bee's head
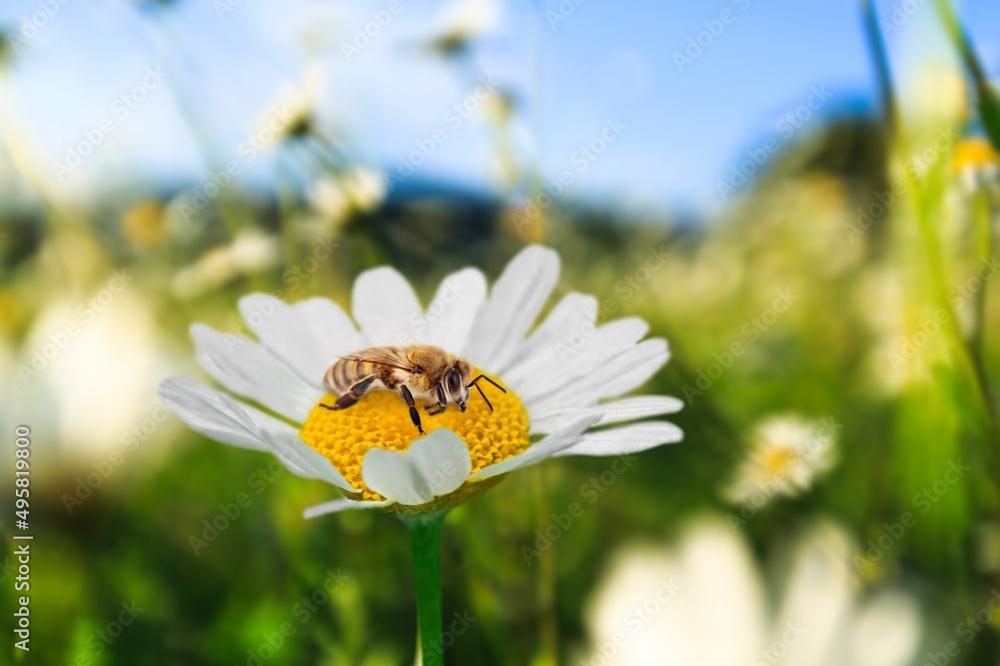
456, 383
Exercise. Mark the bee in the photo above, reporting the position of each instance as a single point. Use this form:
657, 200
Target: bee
416, 371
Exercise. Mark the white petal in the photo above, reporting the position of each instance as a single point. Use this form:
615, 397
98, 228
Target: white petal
641, 363
229, 421
616, 376
626, 409
573, 315
574, 310
302, 459
342, 504
886, 632
627, 439
452, 314
309, 336
247, 368
546, 448
434, 465
578, 359
385, 307
213, 414
514, 304
818, 594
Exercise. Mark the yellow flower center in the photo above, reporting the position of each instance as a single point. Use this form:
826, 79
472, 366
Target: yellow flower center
974, 153
780, 460
381, 420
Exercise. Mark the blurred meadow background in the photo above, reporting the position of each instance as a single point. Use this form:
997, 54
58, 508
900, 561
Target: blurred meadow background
802, 197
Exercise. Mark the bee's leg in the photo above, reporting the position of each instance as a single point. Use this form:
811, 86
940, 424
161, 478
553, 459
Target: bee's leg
353, 394
441, 404
414, 414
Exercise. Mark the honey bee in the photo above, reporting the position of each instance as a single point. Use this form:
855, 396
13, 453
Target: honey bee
416, 371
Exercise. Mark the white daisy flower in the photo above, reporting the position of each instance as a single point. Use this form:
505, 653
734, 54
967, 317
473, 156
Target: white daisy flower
705, 602
558, 379
786, 455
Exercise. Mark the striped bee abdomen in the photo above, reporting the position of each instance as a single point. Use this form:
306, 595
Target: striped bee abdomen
345, 373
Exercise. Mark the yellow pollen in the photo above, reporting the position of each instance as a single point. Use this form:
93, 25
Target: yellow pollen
381, 419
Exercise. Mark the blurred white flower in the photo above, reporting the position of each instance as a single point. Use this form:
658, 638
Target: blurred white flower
462, 22
787, 453
250, 252
334, 198
364, 187
329, 201
94, 366
719, 614
291, 111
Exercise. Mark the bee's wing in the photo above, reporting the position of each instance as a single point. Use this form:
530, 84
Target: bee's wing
392, 357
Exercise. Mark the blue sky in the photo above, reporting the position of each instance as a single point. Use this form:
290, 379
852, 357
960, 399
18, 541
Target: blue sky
684, 124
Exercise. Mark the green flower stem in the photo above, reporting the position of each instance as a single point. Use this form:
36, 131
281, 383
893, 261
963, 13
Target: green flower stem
425, 544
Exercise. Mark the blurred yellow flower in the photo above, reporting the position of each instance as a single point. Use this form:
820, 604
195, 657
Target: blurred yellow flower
144, 225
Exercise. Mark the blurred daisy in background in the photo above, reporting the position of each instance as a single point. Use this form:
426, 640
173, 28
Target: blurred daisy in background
975, 161
787, 453
719, 609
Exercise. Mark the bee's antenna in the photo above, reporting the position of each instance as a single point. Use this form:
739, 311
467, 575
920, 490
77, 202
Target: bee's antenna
475, 382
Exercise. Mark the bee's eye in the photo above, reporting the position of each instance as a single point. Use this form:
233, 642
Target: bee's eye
454, 381
418, 370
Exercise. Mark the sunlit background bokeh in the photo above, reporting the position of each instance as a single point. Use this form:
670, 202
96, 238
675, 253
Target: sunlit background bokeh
801, 197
